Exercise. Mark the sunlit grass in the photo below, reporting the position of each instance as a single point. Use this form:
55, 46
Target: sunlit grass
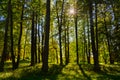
71, 71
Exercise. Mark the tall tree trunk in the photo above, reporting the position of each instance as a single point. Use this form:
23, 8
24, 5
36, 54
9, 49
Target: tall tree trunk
60, 44
76, 34
67, 58
65, 33
60, 28
96, 27
39, 43
46, 43
42, 32
32, 41
88, 54
20, 37
85, 43
11, 35
4, 53
58, 21
108, 42
95, 54
35, 37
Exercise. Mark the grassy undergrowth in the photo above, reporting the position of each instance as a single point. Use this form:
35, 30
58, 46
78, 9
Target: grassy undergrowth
71, 71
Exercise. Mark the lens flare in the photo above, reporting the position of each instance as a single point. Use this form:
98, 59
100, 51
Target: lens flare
71, 11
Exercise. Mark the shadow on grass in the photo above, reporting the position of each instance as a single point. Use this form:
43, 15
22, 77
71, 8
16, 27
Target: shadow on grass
84, 74
108, 76
65, 72
35, 73
23, 64
109, 73
24, 61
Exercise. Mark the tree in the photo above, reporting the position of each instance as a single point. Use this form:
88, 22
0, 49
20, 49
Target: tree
94, 51
96, 25
46, 43
4, 53
60, 20
88, 31
76, 33
20, 35
33, 40
11, 36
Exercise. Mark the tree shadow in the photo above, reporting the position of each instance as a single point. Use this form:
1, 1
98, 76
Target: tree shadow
35, 73
65, 72
23, 64
84, 74
107, 76
54, 71
24, 61
109, 73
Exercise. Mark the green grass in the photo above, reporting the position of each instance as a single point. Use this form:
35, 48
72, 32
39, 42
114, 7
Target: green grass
71, 71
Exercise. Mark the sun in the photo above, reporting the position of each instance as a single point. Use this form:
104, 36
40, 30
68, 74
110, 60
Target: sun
71, 11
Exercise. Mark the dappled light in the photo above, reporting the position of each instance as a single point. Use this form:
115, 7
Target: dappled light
59, 39
56, 72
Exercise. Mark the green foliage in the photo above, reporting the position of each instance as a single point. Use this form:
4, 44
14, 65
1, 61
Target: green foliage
107, 15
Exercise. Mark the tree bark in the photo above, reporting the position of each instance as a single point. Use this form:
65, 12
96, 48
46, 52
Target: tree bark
108, 42
88, 54
76, 34
4, 53
39, 43
46, 43
20, 37
11, 35
32, 41
65, 33
68, 43
96, 27
35, 37
95, 54
60, 28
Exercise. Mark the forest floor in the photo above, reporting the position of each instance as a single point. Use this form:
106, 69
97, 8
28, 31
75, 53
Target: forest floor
71, 71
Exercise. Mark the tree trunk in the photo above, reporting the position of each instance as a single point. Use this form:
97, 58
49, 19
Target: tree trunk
46, 43
88, 54
66, 62
96, 27
85, 43
67, 44
60, 28
4, 53
76, 33
11, 35
42, 32
35, 37
39, 43
95, 54
20, 37
32, 41
108, 42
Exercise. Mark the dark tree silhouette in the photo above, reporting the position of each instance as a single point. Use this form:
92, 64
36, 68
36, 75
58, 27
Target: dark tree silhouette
46, 43
33, 40
4, 53
94, 51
